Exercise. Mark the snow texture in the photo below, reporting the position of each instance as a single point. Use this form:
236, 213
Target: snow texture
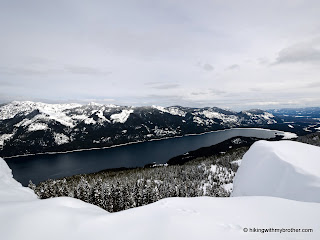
101, 116
221, 116
37, 126
285, 169
48, 111
89, 121
171, 110
11, 190
164, 132
4, 137
265, 115
121, 117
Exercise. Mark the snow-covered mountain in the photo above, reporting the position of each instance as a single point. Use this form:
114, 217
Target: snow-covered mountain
32, 127
242, 217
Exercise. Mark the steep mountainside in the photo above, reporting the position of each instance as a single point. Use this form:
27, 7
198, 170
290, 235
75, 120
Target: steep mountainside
33, 127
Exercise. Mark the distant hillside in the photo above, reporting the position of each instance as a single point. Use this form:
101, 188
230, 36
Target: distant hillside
300, 120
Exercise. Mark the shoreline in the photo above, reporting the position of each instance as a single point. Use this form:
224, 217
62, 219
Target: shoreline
151, 140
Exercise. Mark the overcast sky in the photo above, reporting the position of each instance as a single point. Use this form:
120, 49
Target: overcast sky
232, 54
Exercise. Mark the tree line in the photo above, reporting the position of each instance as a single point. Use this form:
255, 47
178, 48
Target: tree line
116, 190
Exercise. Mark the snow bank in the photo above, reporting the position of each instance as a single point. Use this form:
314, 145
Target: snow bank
285, 169
174, 218
10, 189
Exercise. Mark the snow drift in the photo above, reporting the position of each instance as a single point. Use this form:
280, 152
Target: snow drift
10, 189
283, 169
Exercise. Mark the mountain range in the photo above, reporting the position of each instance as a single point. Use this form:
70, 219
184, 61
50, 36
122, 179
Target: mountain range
32, 127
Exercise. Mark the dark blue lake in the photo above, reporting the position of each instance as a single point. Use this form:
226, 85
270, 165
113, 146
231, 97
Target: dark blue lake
44, 166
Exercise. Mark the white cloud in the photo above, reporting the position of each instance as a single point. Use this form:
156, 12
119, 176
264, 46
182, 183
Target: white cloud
143, 52
208, 67
301, 53
165, 86
233, 66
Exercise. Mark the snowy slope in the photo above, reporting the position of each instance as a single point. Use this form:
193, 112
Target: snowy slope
47, 111
121, 117
284, 169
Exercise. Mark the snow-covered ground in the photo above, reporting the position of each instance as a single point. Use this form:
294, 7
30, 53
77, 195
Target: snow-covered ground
284, 169
23, 217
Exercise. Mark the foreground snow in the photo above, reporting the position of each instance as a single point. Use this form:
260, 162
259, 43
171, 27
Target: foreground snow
23, 217
284, 169
176, 218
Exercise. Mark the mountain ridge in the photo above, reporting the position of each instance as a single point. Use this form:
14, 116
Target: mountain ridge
33, 127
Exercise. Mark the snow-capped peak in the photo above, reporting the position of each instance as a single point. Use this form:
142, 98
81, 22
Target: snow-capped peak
94, 104
172, 110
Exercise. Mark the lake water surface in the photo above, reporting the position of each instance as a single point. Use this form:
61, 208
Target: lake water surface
44, 166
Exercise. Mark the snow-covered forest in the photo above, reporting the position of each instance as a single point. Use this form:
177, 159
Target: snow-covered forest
312, 138
118, 190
